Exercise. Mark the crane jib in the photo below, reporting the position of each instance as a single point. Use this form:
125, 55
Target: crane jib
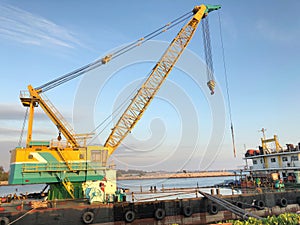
158, 75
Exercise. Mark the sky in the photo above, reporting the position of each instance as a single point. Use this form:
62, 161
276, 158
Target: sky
184, 127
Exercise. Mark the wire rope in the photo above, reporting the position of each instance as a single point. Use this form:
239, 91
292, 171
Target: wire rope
227, 86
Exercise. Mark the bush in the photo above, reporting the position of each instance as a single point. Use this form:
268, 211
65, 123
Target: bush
283, 219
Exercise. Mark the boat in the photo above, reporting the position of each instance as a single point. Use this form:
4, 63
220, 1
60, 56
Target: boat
273, 166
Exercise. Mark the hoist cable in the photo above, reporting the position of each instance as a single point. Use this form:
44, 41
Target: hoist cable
227, 86
69, 76
207, 49
115, 113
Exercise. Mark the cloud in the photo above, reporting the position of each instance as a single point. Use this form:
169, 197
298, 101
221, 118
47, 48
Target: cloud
13, 132
6, 146
17, 112
26, 28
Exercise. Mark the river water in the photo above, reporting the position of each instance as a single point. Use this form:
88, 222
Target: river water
143, 185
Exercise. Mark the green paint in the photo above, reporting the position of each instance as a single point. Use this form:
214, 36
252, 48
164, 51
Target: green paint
58, 191
210, 8
39, 143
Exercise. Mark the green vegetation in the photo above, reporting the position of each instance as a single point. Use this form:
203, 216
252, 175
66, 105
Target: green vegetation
3, 174
121, 173
283, 219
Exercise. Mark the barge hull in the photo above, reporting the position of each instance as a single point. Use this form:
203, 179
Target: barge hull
177, 211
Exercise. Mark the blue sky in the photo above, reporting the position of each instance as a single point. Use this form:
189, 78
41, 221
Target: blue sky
42, 40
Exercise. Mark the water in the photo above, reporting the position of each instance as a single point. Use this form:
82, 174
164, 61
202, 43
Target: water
134, 185
140, 187
21, 189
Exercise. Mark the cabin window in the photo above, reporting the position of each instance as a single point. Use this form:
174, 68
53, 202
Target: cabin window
294, 158
254, 162
273, 160
284, 159
30, 156
95, 156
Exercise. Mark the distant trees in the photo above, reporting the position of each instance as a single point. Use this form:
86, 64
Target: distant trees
121, 173
3, 174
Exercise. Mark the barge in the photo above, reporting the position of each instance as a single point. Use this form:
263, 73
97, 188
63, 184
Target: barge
197, 210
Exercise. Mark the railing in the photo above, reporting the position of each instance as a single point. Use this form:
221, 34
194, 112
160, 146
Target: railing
24, 94
57, 114
59, 167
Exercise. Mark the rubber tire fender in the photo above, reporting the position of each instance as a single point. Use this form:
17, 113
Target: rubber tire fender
260, 204
282, 202
187, 211
159, 214
4, 221
129, 216
213, 209
88, 217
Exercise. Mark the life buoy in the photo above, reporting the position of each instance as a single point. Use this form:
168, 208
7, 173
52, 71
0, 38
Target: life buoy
4, 221
129, 216
159, 214
213, 209
88, 217
260, 204
187, 211
282, 202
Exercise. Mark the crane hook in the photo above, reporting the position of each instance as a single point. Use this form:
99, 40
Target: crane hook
59, 136
211, 85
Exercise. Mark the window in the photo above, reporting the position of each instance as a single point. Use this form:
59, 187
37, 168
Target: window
273, 160
254, 162
294, 158
99, 156
95, 156
284, 159
261, 161
30, 156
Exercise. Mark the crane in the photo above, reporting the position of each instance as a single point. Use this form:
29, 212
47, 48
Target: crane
66, 167
158, 75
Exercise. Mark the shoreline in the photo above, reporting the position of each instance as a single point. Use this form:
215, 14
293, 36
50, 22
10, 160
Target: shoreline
165, 176
176, 175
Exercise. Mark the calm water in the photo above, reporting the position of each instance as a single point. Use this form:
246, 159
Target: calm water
132, 185
136, 185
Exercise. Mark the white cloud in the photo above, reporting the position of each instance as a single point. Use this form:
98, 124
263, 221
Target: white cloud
26, 28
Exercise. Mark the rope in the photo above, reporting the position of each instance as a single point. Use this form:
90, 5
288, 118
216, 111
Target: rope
227, 86
23, 127
21, 216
